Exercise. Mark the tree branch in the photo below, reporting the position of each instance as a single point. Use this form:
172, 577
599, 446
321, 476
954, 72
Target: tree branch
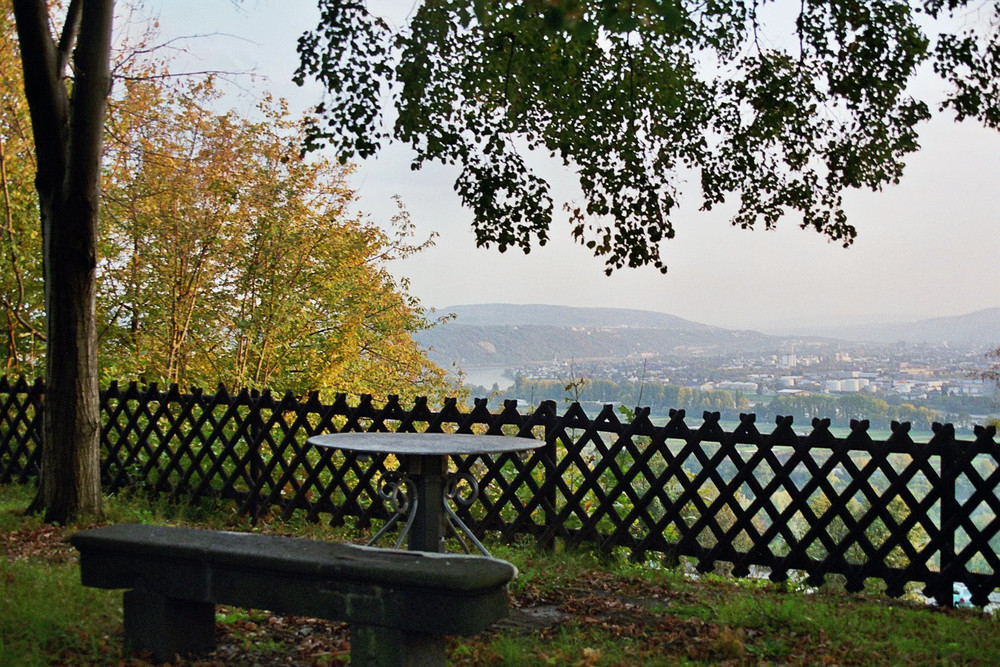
19, 317
44, 90
71, 28
91, 88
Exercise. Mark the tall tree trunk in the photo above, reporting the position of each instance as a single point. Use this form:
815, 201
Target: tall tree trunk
68, 133
70, 483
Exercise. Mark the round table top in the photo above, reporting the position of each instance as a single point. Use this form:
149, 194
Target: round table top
425, 444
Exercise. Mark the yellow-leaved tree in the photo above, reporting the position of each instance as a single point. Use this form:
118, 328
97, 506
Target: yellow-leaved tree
22, 341
228, 257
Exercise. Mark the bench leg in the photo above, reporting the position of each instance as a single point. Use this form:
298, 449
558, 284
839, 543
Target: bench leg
388, 647
167, 627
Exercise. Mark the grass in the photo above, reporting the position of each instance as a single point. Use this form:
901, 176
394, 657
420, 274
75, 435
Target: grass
47, 617
571, 607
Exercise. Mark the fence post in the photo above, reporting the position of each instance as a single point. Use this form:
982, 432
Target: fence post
256, 460
33, 465
944, 436
549, 487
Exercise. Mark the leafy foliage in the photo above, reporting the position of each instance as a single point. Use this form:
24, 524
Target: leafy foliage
21, 290
970, 62
230, 258
657, 395
783, 108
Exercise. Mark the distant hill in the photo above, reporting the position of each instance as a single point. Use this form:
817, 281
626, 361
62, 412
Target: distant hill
505, 314
505, 335
980, 329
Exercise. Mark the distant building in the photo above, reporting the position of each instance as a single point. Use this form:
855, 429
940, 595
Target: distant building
972, 388
745, 387
847, 385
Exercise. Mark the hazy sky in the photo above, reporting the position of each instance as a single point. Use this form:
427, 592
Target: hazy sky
925, 248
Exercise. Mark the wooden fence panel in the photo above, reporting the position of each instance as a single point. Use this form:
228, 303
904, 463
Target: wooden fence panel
20, 429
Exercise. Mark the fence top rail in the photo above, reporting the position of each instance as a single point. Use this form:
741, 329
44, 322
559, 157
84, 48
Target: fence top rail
364, 407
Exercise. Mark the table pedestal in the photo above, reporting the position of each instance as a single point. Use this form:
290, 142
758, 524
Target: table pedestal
428, 474
419, 493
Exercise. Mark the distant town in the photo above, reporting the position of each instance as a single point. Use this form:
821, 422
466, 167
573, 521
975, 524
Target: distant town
911, 371
943, 380
802, 376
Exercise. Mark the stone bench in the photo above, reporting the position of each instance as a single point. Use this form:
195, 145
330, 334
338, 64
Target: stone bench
400, 604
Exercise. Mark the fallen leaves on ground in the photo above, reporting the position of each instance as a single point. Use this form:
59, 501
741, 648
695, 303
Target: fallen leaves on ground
46, 542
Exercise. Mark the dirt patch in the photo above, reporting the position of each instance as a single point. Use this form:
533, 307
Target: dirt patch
531, 619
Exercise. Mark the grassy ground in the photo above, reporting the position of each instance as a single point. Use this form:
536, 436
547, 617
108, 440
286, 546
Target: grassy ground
568, 608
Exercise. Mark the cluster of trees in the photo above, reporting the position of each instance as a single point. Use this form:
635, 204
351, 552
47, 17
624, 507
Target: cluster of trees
22, 308
223, 256
660, 398
657, 396
841, 409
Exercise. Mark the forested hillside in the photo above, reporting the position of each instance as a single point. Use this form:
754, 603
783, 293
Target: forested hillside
503, 335
501, 314
980, 328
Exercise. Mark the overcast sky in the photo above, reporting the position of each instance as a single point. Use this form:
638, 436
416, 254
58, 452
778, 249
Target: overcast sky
925, 248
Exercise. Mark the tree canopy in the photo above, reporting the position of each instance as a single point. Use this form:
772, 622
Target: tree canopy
780, 107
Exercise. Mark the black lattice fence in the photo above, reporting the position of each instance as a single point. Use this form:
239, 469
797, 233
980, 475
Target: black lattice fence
892, 511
